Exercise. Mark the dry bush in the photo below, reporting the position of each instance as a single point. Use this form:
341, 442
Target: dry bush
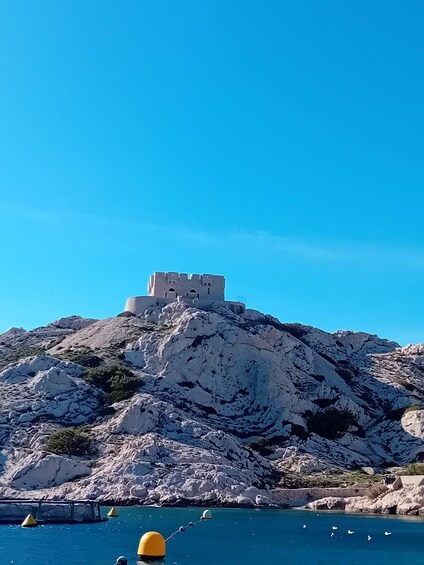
376, 490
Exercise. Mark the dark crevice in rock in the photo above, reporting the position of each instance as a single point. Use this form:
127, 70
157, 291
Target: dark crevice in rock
327, 358
325, 402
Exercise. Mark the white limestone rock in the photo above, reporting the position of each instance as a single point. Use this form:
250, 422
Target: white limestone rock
152, 469
19, 342
212, 381
413, 423
329, 503
288, 461
38, 471
407, 500
103, 334
28, 367
43, 388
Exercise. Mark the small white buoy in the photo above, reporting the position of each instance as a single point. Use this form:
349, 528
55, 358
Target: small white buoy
207, 515
332, 534
350, 532
334, 527
304, 525
387, 533
369, 538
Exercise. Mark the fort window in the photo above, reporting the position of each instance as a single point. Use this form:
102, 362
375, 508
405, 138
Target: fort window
171, 293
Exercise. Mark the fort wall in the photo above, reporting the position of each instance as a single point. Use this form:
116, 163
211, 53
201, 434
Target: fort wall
139, 304
200, 291
172, 285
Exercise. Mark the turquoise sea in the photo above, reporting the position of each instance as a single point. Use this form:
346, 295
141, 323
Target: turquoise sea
248, 537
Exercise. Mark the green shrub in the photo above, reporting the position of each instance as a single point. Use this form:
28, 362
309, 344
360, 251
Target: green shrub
261, 446
84, 358
70, 441
328, 480
118, 382
331, 423
23, 351
296, 330
413, 469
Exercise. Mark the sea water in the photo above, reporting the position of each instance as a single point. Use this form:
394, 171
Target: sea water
233, 536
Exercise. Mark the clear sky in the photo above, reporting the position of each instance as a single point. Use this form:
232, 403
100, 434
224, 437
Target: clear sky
278, 143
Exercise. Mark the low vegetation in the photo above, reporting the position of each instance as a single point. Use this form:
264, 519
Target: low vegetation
328, 480
70, 441
118, 382
296, 330
413, 469
406, 384
84, 357
331, 423
377, 490
20, 352
261, 446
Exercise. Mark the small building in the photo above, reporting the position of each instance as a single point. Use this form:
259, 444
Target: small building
200, 291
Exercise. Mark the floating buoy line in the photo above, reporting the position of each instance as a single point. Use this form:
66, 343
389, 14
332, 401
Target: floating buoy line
207, 515
152, 545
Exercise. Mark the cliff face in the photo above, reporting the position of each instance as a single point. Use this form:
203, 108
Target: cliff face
211, 382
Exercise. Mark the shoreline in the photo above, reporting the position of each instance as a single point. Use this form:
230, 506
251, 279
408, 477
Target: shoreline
413, 515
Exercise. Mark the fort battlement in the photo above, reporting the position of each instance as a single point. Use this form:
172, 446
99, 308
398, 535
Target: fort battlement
166, 287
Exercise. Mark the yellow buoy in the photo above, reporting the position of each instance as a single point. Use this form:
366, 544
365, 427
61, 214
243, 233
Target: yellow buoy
29, 522
113, 513
152, 546
207, 515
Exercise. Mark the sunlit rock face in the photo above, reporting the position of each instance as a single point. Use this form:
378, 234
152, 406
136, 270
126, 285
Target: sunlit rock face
405, 501
212, 381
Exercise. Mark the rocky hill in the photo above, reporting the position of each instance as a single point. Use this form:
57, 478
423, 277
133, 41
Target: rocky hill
217, 407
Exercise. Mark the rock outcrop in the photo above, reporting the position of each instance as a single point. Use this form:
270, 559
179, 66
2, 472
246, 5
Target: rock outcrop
225, 406
408, 500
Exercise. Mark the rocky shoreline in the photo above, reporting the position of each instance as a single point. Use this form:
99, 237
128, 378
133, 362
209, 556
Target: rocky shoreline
408, 501
183, 406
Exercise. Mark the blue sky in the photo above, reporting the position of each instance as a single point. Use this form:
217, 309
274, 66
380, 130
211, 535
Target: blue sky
278, 143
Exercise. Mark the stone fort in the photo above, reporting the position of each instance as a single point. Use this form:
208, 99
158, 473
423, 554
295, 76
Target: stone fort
200, 291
